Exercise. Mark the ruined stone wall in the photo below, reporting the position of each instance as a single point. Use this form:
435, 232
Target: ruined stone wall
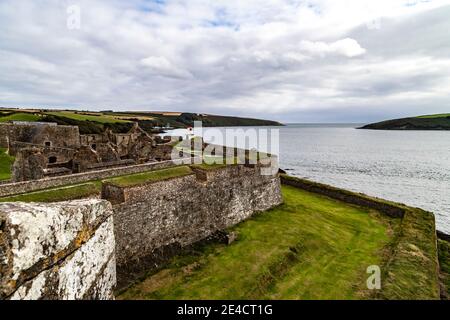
29, 165
40, 134
4, 129
88, 139
61, 251
155, 221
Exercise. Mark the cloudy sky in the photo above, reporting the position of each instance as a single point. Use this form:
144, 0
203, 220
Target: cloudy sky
289, 60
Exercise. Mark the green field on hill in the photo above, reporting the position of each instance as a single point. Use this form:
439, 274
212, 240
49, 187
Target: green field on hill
311, 247
94, 117
96, 122
20, 116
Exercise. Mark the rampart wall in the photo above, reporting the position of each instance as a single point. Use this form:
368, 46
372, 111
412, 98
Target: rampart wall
71, 250
155, 221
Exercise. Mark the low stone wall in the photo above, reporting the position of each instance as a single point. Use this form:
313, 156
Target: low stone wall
10, 189
155, 221
60, 251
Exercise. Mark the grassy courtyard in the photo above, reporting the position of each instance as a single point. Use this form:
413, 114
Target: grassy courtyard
311, 247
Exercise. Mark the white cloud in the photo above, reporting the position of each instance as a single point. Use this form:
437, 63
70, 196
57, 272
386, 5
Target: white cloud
346, 47
290, 58
162, 66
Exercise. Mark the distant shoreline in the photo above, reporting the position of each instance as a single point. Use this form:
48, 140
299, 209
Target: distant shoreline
440, 122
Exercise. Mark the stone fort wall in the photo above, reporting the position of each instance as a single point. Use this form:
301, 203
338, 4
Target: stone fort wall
71, 250
40, 134
155, 221
10, 189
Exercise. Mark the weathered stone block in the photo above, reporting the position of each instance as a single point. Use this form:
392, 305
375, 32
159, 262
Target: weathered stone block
57, 251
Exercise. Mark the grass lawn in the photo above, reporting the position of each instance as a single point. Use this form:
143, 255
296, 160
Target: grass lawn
6, 161
20, 117
311, 247
151, 176
74, 192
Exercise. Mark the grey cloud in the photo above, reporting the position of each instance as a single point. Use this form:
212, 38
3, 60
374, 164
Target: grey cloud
260, 63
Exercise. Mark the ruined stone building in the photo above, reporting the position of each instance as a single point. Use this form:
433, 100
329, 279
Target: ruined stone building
47, 149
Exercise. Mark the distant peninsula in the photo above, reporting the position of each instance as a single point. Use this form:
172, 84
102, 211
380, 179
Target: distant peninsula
429, 122
96, 122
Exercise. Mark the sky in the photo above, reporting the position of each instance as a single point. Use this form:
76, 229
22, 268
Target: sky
287, 60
